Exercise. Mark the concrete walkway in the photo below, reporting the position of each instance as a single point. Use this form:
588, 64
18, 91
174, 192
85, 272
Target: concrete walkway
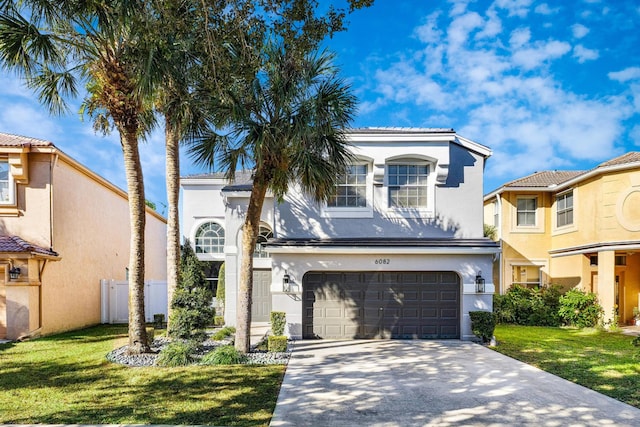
431, 383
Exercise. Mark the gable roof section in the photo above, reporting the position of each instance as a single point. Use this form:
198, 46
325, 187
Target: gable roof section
625, 159
16, 245
22, 144
10, 140
543, 179
409, 134
552, 181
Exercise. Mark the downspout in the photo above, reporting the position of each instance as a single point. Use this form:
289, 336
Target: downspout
52, 161
501, 259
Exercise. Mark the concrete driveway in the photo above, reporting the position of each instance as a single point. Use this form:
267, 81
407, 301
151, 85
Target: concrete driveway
431, 383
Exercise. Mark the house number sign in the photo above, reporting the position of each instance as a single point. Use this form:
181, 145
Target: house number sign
384, 261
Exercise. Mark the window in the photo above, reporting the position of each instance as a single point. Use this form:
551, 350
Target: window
526, 275
6, 183
408, 186
496, 215
527, 211
564, 209
351, 190
210, 239
265, 234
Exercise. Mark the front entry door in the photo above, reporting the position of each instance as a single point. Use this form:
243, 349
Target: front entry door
261, 296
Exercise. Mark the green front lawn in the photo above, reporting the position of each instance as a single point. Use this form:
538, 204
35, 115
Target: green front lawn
65, 379
602, 361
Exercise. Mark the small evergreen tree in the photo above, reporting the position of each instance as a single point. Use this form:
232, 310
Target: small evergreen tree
191, 303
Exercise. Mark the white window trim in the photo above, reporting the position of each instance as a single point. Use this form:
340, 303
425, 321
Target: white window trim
540, 264
218, 256
11, 185
569, 228
263, 226
354, 212
539, 222
429, 211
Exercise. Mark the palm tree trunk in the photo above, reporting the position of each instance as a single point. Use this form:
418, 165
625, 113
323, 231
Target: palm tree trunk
173, 195
250, 231
137, 211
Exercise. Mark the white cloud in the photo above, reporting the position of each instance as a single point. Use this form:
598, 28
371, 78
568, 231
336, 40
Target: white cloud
631, 73
429, 32
634, 134
520, 37
518, 8
534, 57
579, 31
492, 26
458, 7
461, 27
26, 120
544, 9
505, 89
583, 54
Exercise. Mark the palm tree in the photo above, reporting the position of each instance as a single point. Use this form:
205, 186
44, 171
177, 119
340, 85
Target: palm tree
57, 45
288, 121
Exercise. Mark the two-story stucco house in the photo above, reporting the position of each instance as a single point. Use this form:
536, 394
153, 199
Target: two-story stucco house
62, 229
575, 229
395, 253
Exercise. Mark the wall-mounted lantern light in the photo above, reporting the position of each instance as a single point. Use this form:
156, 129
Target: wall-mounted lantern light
479, 282
14, 273
285, 282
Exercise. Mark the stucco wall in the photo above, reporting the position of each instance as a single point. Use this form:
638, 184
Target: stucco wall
91, 234
457, 202
466, 266
33, 200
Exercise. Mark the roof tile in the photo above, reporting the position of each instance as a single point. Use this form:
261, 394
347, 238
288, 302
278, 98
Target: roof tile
630, 157
10, 140
544, 179
15, 244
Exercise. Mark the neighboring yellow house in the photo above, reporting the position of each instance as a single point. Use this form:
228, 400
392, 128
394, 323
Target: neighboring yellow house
62, 229
573, 228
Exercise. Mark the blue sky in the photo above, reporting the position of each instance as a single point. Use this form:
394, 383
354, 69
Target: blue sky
545, 85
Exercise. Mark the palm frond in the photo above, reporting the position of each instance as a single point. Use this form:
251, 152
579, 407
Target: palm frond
52, 87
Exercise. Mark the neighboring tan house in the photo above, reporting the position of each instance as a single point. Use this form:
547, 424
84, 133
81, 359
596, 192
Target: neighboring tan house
62, 229
574, 229
395, 253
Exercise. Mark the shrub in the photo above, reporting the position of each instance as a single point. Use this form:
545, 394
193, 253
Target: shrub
224, 355
223, 333
218, 320
278, 322
529, 307
483, 323
277, 343
580, 309
191, 302
177, 353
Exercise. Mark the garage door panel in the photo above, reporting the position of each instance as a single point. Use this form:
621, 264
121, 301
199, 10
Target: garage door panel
381, 305
449, 296
448, 313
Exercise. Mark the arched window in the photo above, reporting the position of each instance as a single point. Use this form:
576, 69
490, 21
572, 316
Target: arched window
210, 239
265, 234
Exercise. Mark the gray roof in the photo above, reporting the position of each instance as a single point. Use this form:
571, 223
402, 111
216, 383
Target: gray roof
394, 130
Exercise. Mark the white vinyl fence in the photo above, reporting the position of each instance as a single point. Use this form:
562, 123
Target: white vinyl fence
114, 307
